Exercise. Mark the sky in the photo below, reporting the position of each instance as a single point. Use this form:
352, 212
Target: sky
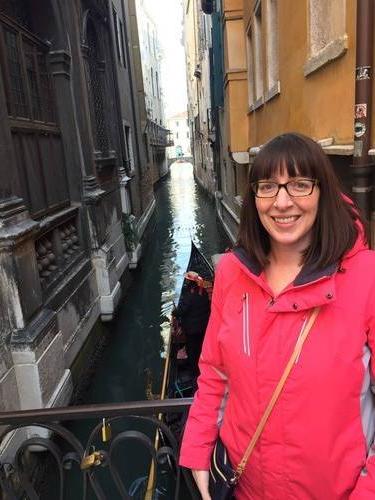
168, 16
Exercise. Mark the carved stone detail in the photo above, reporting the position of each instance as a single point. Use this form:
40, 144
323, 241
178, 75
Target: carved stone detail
69, 240
56, 250
46, 259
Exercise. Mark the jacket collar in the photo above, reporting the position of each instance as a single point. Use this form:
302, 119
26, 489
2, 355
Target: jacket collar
296, 297
305, 276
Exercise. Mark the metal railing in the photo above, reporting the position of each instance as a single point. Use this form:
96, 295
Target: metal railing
115, 461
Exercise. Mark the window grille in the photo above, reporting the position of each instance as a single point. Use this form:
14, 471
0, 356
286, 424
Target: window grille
30, 99
97, 91
28, 82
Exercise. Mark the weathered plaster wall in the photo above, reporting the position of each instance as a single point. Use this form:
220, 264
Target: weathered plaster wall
321, 104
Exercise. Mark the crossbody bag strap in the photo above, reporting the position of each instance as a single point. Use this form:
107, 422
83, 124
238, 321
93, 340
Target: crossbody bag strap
297, 350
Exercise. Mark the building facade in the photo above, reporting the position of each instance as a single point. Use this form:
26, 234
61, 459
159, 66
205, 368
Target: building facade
288, 66
198, 50
178, 125
73, 168
151, 55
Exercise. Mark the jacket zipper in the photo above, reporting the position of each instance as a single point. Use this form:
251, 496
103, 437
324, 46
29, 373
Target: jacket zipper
245, 324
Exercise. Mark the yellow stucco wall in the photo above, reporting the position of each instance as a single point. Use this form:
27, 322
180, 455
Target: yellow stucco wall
235, 76
321, 104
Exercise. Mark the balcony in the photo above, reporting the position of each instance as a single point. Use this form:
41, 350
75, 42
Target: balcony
159, 136
131, 452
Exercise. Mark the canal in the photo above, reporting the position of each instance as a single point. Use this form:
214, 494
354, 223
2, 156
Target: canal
131, 366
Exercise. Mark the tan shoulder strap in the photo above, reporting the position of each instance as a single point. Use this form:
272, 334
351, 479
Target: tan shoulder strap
297, 350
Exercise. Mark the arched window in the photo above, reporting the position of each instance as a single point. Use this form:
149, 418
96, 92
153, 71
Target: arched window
96, 75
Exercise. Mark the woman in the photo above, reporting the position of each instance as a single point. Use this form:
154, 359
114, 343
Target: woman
301, 245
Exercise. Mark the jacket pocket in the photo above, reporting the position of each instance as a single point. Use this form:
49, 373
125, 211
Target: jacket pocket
246, 324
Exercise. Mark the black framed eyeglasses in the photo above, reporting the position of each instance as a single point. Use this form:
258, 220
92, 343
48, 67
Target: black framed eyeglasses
295, 188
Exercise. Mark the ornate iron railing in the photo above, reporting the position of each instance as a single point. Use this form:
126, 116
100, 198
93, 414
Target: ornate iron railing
131, 453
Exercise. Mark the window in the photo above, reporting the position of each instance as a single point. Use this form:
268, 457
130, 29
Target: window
255, 60
152, 82
258, 63
273, 84
122, 40
148, 38
28, 83
176, 135
187, 135
240, 175
157, 84
177, 124
129, 156
97, 89
327, 37
115, 26
31, 106
119, 38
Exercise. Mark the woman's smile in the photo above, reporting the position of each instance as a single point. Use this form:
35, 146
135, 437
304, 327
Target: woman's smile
286, 220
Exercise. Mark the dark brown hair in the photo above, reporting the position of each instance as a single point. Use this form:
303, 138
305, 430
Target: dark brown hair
335, 229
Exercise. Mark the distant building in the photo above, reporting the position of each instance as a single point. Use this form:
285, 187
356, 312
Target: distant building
178, 126
150, 62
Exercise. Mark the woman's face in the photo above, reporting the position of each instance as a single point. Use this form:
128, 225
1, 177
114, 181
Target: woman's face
288, 220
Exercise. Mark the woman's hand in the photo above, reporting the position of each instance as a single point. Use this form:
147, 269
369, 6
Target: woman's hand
201, 478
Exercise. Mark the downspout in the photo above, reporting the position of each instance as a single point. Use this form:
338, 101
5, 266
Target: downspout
363, 165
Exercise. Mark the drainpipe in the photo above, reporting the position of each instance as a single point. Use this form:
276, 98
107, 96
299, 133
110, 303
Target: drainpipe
363, 165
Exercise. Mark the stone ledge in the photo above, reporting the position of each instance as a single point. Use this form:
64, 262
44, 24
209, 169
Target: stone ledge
29, 338
256, 105
272, 92
109, 303
230, 211
145, 218
339, 149
76, 341
134, 256
333, 50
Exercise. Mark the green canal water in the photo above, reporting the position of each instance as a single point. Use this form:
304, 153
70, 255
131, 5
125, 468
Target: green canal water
137, 338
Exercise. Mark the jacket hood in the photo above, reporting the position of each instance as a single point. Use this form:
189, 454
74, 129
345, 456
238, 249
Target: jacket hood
361, 243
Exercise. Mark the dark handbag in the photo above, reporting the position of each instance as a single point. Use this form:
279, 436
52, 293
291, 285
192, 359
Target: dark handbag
222, 477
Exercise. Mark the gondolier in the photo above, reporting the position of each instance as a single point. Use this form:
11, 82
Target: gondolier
192, 313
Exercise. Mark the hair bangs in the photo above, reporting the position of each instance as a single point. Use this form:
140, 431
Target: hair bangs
283, 154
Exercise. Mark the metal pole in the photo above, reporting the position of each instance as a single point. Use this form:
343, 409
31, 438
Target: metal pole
363, 166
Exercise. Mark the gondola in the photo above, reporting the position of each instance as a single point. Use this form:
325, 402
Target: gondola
178, 381
181, 381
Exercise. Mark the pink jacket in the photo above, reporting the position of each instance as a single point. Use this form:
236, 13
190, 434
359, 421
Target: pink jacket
318, 441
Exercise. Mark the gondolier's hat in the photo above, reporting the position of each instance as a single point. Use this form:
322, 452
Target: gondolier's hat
201, 282
192, 276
